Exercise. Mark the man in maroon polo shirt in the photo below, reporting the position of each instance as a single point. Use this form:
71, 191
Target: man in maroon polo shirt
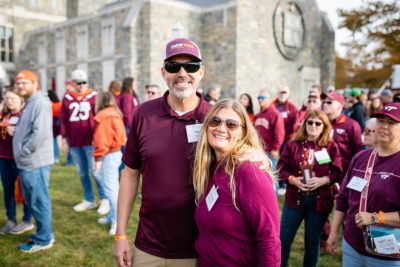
161, 146
270, 127
346, 132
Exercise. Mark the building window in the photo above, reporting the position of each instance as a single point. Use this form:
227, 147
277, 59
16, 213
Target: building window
56, 5
42, 50
82, 39
6, 43
60, 46
108, 36
35, 3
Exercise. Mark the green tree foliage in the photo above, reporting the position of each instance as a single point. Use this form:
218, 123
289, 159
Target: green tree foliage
374, 46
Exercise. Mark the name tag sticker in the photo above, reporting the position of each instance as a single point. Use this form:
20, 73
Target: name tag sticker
322, 156
193, 132
284, 114
13, 120
212, 198
84, 106
331, 133
386, 244
357, 183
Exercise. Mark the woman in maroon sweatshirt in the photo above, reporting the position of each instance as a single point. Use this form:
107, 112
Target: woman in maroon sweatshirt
237, 211
128, 101
382, 193
309, 164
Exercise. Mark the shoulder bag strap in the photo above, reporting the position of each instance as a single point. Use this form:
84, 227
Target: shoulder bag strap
367, 176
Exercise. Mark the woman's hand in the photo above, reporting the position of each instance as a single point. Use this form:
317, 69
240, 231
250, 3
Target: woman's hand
332, 243
363, 218
317, 182
10, 130
298, 182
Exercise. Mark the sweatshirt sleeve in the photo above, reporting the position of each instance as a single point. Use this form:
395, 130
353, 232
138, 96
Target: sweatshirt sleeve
356, 142
336, 170
127, 107
102, 139
259, 205
279, 133
63, 119
284, 162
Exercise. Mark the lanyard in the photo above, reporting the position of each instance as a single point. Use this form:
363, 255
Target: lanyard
367, 176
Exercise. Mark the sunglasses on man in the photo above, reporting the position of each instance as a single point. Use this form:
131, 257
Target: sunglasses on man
175, 67
80, 83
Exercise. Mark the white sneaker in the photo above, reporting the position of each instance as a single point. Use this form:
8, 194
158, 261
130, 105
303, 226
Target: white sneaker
281, 191
103, 220
84, 205
113, 229
104, 207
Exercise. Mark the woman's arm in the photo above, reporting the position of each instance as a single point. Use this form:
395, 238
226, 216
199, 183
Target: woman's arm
333, 238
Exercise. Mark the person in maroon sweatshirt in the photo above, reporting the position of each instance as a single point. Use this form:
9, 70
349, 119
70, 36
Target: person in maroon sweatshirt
288, 111
128, 101
77, 124
346, 132
381, 191
237, 210
270, 126
308, 197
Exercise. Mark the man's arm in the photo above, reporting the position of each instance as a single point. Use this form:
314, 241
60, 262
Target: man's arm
129, 184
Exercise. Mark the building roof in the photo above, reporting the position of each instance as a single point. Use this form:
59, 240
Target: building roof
205, 3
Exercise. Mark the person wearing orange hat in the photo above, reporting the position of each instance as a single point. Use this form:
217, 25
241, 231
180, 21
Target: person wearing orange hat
33, 153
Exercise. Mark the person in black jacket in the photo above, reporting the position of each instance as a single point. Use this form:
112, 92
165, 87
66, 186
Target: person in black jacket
357, 111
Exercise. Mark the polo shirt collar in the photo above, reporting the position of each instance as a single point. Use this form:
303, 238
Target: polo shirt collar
196, 114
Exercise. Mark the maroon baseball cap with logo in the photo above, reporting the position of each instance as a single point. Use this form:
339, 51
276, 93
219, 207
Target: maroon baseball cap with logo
334, 96
182, 46
390, 110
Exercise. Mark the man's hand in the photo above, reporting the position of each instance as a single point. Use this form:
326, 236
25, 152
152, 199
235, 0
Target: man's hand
122, 253
64, 147
257, 156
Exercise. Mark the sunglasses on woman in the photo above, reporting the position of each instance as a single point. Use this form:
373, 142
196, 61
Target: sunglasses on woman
231, 124
311, 123
175, 67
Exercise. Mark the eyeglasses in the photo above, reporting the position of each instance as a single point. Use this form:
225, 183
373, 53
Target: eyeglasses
328, 102
261, 97
312, 101
311, 123
368, 131
80, 83
175, 67
231, 124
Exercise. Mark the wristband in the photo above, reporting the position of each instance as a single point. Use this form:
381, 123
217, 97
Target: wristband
381, 217
373, 221
121, 237
291, 178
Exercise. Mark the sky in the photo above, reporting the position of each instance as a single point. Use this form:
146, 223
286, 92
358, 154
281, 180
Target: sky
331, 7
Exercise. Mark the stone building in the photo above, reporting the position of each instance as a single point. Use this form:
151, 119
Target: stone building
246, 45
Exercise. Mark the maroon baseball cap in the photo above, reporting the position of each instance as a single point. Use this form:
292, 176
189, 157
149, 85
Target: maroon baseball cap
390, 110
334, 96
182, 46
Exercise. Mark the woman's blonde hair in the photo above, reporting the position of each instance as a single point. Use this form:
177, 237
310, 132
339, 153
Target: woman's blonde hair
104, 99
205, 160
114, 87
325, 137
14, 90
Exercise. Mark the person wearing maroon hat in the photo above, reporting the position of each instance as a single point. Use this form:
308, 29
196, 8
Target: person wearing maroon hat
370, 199
346, 132
309, 164
313, 103
163, 135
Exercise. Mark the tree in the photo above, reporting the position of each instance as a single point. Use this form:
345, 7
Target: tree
375, 43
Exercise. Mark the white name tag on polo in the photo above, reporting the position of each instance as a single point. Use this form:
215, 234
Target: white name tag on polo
284, 114
322, 156
386, 244
357, 183
13, 120
193, 132
212, 198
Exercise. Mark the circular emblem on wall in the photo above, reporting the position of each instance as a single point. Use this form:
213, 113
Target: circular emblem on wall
289, 29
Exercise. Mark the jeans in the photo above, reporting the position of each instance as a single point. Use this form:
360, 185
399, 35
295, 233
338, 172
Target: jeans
56, 150
35, 188
351, 258
109, 174
9, 173
83, 159
313, 225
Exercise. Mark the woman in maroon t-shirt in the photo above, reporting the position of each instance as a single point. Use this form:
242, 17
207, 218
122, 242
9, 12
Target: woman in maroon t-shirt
309, 164
237, 211
8, 168
382, 193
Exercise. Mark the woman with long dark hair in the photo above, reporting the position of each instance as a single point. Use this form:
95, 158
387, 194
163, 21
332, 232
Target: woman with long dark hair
128, 101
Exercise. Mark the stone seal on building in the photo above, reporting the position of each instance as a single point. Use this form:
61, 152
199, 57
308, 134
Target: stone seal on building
289, 28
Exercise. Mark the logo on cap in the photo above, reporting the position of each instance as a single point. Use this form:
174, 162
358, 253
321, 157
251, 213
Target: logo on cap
390, 108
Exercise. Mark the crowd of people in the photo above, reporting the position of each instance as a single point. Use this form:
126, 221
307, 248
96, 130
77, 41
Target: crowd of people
211, 169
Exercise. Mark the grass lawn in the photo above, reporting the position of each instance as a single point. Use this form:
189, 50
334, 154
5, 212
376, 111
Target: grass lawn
80, 240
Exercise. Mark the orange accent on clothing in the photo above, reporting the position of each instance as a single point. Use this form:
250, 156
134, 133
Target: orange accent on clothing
341, 119
80, 96
109, 133
117, 93
251, 117
56, 108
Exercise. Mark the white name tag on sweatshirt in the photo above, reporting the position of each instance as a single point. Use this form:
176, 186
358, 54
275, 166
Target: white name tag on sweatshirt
212, 198
357, 183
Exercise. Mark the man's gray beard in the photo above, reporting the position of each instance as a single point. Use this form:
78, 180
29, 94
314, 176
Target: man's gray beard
182, 94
